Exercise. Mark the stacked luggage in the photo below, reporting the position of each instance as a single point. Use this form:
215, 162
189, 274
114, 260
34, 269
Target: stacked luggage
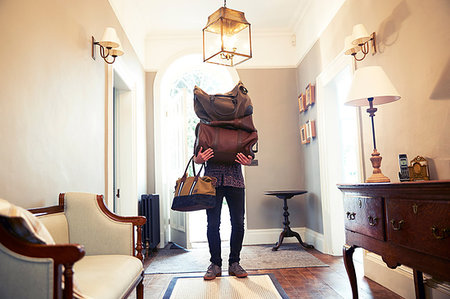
226, 124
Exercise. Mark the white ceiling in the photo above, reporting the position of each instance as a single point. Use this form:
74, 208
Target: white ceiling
144, 20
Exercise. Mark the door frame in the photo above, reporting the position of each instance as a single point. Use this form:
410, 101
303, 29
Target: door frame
128, 92
333, 236
158, 111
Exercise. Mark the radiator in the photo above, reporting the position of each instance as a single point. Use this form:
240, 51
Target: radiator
149, 207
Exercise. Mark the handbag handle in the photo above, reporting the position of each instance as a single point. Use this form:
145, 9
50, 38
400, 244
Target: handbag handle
193, 168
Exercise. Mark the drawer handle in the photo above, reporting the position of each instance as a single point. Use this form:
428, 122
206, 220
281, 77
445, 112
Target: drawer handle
399, 224
439, 236
372, 221
351, 216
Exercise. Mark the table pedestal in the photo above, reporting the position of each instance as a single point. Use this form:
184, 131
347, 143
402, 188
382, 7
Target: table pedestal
287, 231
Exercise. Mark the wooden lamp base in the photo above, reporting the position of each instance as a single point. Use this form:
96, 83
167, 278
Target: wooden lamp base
377, 176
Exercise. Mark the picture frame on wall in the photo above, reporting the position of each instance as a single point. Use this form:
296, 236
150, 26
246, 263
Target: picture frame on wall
310, 95
304, 134
301, 106
311, 124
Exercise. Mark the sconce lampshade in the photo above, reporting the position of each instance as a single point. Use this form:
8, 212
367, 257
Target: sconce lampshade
360, 35
349, 47
116, 51
110, 38
371, 82
227, 38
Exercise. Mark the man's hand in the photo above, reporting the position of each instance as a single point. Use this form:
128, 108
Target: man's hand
242, 159
202, 157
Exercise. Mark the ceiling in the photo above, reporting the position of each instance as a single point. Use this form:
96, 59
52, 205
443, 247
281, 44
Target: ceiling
144, 20
176, 17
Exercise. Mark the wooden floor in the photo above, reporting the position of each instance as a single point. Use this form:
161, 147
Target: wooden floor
314, 282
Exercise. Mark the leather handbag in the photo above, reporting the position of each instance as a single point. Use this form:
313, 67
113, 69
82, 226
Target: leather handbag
226, 143
193, 193
244, 123
227, 106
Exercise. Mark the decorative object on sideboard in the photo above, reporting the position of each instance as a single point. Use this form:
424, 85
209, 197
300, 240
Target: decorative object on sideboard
418, 169
310, 95
403, 174
227, 37
109, 46
360, 40
371, 86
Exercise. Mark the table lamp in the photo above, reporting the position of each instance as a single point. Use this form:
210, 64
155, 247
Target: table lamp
371, 87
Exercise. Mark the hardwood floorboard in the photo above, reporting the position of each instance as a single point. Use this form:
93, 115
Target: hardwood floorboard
312, 282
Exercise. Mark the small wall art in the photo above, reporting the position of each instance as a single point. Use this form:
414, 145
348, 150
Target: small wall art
301, 105
310, 95
304, 134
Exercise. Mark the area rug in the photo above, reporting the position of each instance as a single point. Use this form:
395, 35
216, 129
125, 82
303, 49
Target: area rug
256, 257
258, 286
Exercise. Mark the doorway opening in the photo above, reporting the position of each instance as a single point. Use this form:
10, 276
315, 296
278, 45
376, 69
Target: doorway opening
339, 147
175, 122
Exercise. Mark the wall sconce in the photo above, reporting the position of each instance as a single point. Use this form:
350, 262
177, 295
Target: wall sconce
109, 46
360, 40
227, 37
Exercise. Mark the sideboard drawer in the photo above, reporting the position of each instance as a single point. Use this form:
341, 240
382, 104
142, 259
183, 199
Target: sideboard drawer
364, 215
422, 225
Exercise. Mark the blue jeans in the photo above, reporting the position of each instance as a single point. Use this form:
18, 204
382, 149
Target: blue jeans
235, 198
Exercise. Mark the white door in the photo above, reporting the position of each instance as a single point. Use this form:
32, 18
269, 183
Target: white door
124, 177
339, 147
175, 163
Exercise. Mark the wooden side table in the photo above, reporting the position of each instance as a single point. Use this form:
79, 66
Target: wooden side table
287, 232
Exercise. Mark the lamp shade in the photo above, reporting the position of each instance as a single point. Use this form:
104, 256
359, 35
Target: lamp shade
110, 38
116, 51
349, 47
371, 82
360, 35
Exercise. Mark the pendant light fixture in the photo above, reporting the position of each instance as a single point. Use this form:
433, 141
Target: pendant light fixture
227, 37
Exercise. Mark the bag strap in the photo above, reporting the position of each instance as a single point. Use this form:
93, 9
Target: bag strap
196, 174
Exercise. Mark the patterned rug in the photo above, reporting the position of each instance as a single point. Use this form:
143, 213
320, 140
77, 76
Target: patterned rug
254, 257
262, 286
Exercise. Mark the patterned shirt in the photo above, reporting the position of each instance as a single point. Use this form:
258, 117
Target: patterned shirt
226, 174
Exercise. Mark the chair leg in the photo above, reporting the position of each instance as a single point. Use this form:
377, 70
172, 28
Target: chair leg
140, 290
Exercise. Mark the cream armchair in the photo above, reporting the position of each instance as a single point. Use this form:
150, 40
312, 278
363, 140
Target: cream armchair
96, 247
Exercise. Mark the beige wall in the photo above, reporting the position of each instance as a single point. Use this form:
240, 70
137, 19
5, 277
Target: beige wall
273, 93
413, 38
52, 98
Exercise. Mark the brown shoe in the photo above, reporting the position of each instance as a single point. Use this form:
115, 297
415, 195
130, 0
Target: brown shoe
236, 270
212, 272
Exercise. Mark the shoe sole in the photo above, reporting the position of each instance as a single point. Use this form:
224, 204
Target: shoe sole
212, 277
237, 275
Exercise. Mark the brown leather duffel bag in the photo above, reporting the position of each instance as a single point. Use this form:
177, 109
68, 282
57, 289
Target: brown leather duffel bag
244, 123
219, 107
226, 143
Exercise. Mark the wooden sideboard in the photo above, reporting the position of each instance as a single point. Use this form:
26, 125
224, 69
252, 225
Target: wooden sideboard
405, 223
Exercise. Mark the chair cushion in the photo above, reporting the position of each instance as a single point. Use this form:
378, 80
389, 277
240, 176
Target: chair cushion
107, 276
23, 224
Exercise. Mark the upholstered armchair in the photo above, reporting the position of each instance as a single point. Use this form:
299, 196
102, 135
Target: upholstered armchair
95, 254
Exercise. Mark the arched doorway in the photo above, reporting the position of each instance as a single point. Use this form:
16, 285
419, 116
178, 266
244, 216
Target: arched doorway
175, 121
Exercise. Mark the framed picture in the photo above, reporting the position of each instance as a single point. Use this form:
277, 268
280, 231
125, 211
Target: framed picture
310, 95
304, 134
301, 106
311, 129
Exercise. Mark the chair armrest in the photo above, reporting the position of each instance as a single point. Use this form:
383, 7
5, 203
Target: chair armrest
65, 255
137, 221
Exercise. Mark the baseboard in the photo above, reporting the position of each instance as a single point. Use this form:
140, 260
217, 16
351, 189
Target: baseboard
399, 280
270, 236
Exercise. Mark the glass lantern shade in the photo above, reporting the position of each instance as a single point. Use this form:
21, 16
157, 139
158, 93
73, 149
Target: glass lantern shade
227, 38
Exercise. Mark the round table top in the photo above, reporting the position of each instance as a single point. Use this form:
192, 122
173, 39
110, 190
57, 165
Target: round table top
285, 193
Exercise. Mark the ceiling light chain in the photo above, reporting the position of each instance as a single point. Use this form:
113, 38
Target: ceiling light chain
224, 3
